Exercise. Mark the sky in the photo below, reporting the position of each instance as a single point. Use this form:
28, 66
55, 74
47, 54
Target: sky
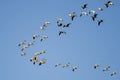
84, 44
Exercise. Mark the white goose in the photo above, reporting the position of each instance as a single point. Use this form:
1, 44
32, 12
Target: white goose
66, 65
100, 9
83, 13
21, 43
106, 68
108, 3
43, 27
43, 37
31, 43
96, 65
46, 23
74, 68
43, 52
72, 15
35, 36
36, 54
92, 11
43, 61
23, 54
24, 47
59, 20
113, 73
57, 64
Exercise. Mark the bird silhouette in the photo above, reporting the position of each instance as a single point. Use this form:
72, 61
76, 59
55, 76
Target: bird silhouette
84, 6
108, 3
43, 38
62, 32
74, 68
83, 13
72, 15
106, 68
99, 22
100, 9
66, 65
57, 64
66, 25
96, 65
43, 61
113, 73
35, 36
21, 43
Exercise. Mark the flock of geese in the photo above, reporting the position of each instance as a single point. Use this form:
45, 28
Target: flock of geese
34, 59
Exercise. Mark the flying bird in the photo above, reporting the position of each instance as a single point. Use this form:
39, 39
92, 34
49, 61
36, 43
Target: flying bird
74, 68
34, 61
94, 17
24, 47
99, 22
59, 20
62, 32
106, 68
43, 27
43, 51
113, 73
84, 6
66, 65
31, 43
21, 43
67, 25
96, 65
92, 11
108, 3
43, 61
100, 9
57, 64
23, 54
36, 54
46, 23
72, 15
83, 13
60, 24
33, 58
43, 37
35, 36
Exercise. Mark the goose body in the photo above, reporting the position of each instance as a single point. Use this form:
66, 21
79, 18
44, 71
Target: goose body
83, 13
21, 43
96, 65
106, 68
66, 65
99, 22
72, 15
23, 54
74, 68
43, 61
57, 64
31, 43
62, 32
35, 36
84, 6
43, 37
113, 73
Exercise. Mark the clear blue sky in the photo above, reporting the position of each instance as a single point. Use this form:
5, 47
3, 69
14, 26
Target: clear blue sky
85, 43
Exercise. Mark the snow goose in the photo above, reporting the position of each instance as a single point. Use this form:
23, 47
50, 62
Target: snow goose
84, 6
43, 37
72, 15
106, 68
62, 32
96, 65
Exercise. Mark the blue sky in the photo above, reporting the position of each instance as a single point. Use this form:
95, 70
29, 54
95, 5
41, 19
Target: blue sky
85, 43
